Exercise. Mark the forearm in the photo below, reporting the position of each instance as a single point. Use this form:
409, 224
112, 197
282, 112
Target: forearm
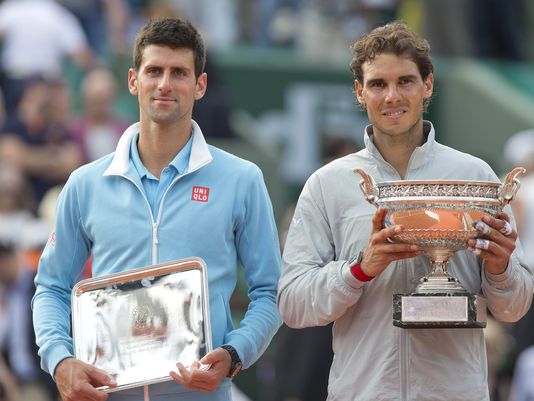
315, 296
509, 295
52, 326
256, 330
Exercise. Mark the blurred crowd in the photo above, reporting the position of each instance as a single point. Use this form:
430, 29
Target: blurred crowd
60, 79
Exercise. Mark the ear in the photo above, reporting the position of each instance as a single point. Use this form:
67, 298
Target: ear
202, 84
429, 86
132, 81
358, 88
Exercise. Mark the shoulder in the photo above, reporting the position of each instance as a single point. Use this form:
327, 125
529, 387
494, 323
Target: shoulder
466, 165
341, 168
92, 170
226, 162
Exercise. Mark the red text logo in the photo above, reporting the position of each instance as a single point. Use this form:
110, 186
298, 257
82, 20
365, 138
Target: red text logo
200, 194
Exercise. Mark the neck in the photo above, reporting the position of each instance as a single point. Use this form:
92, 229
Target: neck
158, 146
398, 149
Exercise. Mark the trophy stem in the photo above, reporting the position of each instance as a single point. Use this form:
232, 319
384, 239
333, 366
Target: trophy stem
439, 279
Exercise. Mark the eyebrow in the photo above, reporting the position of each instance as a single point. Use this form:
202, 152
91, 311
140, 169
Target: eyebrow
380, 80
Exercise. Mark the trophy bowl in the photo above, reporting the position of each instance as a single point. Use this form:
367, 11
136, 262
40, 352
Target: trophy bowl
438, 215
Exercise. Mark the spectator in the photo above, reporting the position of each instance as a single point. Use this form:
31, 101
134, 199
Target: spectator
41, 149
54, 36
98, 128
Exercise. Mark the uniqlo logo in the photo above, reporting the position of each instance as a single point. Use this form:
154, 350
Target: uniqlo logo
200, 194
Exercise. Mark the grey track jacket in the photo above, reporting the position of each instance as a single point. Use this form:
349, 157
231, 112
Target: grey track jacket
375, 360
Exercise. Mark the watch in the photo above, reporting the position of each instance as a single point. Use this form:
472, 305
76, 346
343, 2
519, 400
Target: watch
236, 364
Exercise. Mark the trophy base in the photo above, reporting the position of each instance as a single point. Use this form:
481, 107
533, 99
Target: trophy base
439, 310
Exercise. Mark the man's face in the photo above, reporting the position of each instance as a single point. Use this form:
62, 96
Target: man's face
166, 85
393, 93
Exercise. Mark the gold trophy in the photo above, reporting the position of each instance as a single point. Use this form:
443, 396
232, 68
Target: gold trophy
438, 216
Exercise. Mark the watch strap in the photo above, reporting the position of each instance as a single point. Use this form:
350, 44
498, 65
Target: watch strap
236, 363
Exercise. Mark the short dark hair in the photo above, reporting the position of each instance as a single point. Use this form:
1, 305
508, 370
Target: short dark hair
395, 38
174, 33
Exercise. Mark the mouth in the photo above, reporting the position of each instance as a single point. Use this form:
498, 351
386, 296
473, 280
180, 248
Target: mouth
394, 113
164, 100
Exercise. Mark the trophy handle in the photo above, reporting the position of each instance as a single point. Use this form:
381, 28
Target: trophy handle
368, 187
510, 186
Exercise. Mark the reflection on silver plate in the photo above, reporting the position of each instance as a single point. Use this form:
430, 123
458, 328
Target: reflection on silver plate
137, 324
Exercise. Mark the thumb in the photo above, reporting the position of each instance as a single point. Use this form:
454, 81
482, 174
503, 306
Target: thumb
100, 378
378, 219
214, 356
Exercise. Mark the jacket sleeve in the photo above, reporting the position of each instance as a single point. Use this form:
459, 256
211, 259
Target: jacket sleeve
60, 266
315, 288
259, 253
509, 294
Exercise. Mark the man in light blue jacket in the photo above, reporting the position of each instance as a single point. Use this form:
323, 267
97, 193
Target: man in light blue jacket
163, 195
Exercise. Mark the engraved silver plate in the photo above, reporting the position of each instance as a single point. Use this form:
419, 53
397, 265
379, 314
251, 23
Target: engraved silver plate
136, 325
434, 309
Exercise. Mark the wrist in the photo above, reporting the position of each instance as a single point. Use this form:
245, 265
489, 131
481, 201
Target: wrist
356, 269
235, 365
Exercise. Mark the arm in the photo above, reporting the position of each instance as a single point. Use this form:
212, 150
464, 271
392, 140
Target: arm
258, 249
259, 252
53, 162
315, 288
61, 264
507, 282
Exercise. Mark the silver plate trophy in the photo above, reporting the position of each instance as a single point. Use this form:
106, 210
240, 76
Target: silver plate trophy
438, 216
136, 325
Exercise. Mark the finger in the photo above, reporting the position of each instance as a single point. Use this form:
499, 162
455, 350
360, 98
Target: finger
394, 248
378, 219
184, 372
405, 255
490, 257
87, 391
488, 250
497, 234
506, 230
384, 234
98, 378
500, 223
503, 216
177, 378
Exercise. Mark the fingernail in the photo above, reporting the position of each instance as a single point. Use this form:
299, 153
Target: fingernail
398, 229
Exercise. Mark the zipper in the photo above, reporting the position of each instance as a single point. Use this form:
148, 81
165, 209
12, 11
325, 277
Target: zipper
155, 242
155, 224
160, 212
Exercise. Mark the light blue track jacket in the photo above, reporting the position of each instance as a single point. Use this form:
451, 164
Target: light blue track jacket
103, 209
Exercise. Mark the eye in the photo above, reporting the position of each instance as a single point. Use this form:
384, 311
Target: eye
180, 73
376, 84
405, 81
152, 71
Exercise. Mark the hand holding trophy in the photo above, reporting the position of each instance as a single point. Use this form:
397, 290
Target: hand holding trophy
439, 216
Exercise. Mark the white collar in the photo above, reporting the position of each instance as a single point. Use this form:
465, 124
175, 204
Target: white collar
200, 154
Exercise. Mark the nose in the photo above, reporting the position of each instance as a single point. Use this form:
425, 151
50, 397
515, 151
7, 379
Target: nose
392, 94
164, 84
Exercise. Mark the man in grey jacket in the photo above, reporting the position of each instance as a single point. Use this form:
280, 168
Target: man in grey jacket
339, 267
